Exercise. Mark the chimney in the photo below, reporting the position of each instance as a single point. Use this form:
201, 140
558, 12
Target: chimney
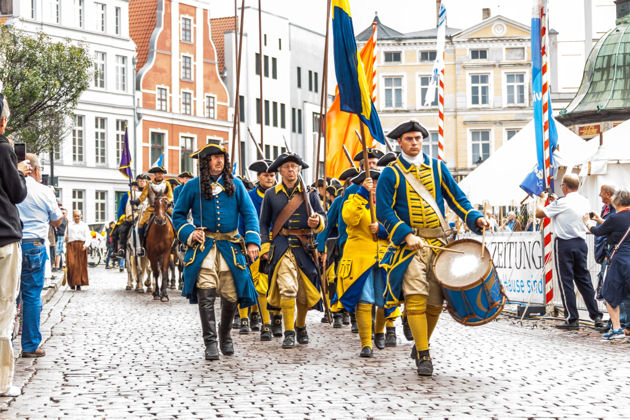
438, 4
623, 9
485, 13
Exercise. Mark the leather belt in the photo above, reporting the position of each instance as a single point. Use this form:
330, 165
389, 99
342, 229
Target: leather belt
431, 233
295, 232
34, 241
223, 236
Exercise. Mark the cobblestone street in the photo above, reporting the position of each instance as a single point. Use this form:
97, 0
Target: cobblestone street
115, 353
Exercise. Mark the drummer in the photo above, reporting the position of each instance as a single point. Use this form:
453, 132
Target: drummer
411, 193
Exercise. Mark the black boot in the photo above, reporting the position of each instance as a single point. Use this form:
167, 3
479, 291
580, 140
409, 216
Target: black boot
236, 324
424, 363
353, 323
390, 337
206, 298
265, 332
366, 352
345, 316
276, 325
244, 329
407, 329
302, 335
227, 315
289, 340
337, 320
379, 341
254, 321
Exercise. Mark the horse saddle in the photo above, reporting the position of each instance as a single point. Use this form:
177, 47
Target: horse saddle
150, 223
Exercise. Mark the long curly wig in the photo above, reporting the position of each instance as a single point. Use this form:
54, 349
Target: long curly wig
206, 181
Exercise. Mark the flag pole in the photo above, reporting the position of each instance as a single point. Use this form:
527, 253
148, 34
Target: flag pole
260, 78
366, 168
236, 132
322, 103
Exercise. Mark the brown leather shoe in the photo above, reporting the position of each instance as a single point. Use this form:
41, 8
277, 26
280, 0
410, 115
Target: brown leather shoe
37, 353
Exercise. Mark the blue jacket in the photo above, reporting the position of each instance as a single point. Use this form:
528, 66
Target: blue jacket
256, 196
176, 192
121, 206
331, 230
220, 214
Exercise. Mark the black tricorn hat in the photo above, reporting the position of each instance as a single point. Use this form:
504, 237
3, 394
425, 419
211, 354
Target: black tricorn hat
173, 181
387, 158
349, 173
334, 188
209, 150
134, 184
157, 170
406, 127
284, 158
185, 174
320, 182
372, 154
261, 166
374, 174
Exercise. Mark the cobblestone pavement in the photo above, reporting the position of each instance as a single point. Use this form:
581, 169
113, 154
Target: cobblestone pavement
113, 353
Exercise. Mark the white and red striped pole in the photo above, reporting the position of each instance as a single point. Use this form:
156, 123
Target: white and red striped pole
374, 34
441, 153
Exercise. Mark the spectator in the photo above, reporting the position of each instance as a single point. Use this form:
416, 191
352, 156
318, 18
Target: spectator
110, 244
76, 243
602, 247
52, 246
494, 225
38, 211
12, 192
617, 283
513, 223
571, 250
60, 231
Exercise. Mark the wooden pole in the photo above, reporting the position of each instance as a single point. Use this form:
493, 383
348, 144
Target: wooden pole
323, 100
236, 132
260, 65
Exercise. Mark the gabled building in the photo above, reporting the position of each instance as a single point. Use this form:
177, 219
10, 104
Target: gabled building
182, 102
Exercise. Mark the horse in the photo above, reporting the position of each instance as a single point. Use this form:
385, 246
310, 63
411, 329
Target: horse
137, 267
176, 265
159, 240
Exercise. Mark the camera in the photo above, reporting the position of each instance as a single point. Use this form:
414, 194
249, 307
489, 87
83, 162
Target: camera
591, 215
20, 151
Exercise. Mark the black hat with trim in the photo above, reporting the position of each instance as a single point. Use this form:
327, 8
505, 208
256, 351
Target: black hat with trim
261, 166
209, 150
406, 127
387, 158
157, 170
285, 158
348, 173
372, 154
374, 174
134, 184
174, 182
185, 174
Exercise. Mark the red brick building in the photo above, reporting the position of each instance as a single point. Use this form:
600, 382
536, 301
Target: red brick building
182, 102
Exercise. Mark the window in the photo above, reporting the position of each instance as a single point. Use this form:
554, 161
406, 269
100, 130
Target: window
425, 81
57, 12
266, 112
33, 9
274, 68
186, 103
161, 103
258, 111
211, 111
428, 55
266, 65
186, 35
393, 92
275, 152
241, 106
515, 53
316, 121
280, 43
80, 15
480, 146
510, 132
120, 138
99, 70
310, 80
479, 54
99, 139
479, 89
100, 200
430, 145
284, 150
118, 20
57, 152
186, 147
118, 195
299, 77
265, 39
157, 146
274, 108
267, 151
78, 198
315, 87
515, 85
77, 139
392, 56
186, 67
283, 117
257, 64
101, 14
299, 121
293, 120
121, 73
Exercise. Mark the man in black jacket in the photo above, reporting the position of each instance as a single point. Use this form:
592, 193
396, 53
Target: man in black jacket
12, 191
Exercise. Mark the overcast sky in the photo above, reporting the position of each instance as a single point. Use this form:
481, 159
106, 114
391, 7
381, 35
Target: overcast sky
402, 15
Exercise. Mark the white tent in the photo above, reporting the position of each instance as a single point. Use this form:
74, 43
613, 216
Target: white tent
497, 179
606, 164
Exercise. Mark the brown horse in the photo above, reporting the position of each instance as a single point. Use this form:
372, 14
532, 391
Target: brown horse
158, 247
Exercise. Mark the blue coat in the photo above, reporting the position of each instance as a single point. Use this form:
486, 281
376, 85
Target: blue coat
220, 214
331, 230
397, 205
121, 206
176, 192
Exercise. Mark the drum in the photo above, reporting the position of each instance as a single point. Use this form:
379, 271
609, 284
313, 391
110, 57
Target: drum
470, 283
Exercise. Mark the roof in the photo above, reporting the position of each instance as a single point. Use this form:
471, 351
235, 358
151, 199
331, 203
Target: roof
218, 27
385, 33
142, 19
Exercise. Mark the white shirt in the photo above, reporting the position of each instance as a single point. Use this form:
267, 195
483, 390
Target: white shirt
417, 160
566, 215
77, 231
38, 209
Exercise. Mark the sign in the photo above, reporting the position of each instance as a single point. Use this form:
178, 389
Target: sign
589, 130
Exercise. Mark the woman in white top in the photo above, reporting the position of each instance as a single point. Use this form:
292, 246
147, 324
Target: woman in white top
76, 260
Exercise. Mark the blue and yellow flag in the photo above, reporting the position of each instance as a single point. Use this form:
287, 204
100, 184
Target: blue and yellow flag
354, 92
125, 159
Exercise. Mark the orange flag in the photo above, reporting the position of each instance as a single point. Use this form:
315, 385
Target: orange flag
340, 125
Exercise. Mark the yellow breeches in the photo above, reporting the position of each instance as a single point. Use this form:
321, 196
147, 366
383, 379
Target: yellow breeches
379, 322
289, 282
146, 215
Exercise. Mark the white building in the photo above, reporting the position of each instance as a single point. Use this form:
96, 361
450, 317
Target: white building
86, 163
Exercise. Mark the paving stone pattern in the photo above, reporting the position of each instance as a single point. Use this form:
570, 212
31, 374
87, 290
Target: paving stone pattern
118, 354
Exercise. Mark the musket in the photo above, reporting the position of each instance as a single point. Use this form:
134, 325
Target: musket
345, 151
260, 151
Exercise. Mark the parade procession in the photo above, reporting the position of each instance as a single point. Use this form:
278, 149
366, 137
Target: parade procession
276, 215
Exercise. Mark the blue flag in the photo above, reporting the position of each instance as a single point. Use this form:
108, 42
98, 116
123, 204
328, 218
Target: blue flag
125, 158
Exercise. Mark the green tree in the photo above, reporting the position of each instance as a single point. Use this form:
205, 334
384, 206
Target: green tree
42, 81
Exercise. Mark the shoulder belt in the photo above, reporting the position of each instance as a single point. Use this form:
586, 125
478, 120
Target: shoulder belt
422, 191
286, 213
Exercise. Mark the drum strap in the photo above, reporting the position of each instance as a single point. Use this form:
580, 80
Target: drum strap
422, 191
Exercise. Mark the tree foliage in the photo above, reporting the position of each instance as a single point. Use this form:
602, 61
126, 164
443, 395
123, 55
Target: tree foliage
42, 81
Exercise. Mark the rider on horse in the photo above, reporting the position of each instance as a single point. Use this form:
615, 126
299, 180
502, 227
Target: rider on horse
125, 214
151, 190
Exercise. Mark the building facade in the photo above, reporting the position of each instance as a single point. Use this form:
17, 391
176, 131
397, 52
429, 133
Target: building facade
182, 101
86, 162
